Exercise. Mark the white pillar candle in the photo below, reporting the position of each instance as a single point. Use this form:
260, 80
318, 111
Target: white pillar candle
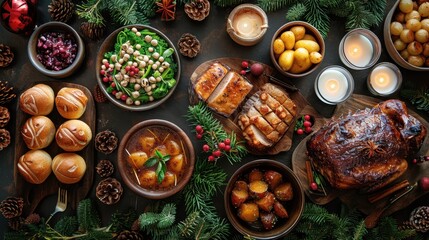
383, 80
248, 24
332, 85
358, 50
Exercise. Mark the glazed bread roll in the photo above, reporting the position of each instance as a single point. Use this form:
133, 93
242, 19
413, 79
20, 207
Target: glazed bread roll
35, 166
71, 102
38, 132
37, 100
68, 167
73, 135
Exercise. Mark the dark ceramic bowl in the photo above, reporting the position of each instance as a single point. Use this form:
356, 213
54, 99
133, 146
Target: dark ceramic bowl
127, 147
108, 46
294, 206
55, 27
308, 29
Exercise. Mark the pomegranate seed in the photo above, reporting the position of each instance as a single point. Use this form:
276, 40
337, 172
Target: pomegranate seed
113, 84
102, 72
106, 79
124, 97
127, 68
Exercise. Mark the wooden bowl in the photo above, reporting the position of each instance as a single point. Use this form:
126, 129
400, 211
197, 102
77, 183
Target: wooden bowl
393, 53
128, 146
55, 27
294, 207
308, 29
108, 45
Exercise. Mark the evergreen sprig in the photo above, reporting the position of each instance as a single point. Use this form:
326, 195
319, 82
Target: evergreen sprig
274, 5
123, 220
418, 97
227, 3
127, 12
214, 132
87, 216
67, 226
91, 11
296, 12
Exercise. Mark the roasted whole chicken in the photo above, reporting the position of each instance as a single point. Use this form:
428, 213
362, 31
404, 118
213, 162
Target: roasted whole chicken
367, 149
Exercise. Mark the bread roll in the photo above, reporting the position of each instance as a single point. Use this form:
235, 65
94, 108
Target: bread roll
35, 166
38, 132
68, 167
37, 100
73, 135
71, 102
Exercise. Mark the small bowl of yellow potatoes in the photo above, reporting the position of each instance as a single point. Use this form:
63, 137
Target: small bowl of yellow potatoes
297, 49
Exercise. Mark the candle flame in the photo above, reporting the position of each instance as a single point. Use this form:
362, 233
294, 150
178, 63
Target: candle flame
332, 85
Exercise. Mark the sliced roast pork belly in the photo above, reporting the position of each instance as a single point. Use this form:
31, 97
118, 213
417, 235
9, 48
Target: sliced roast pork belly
229, 94
207, 82
263, 119
281, 96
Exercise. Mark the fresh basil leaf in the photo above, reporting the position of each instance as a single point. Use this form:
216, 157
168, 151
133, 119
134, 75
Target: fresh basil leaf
151, 162
161, 176
166, 158
158, 154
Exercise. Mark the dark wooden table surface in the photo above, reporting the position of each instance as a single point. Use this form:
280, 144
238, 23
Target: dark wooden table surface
215, 43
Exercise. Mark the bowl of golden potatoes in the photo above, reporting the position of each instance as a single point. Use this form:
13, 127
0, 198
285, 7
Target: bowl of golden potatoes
297, 49
406, 34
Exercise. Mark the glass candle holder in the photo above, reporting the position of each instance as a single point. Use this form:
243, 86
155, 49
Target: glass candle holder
384, 79
334, 84
359, 49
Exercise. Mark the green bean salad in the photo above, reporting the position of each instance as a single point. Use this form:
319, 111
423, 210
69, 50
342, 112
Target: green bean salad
141, 67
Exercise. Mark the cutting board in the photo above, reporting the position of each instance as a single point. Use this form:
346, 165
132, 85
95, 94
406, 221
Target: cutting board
355, 198
33, 194
231, 123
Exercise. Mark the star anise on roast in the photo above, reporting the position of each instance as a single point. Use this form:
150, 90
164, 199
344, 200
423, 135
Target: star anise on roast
370, 148
167, 8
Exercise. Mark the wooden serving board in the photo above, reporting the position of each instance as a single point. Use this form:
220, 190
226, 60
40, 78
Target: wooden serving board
34, 193
231, 123
355, 198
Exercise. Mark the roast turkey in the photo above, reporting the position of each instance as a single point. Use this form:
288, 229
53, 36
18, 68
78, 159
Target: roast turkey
367, 149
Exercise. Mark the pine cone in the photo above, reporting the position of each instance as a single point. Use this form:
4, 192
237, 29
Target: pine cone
106, 142
6, 55
198, 9
99, 95
33, 218
4, 116
4, 138
92, 31
61, 10
105, 168
129, 235
189, 45
109, 191
11, 207
16, 223
6, 93
136, 225
419, 219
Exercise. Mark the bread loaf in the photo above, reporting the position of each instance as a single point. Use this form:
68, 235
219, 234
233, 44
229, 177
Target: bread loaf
38, 132
35, 166
68, 167
73, 135
71, 102
37, 100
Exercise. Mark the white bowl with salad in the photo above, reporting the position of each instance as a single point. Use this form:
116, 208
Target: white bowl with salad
138, 67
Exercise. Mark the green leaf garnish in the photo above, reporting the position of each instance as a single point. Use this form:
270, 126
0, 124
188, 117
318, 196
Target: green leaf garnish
161, 168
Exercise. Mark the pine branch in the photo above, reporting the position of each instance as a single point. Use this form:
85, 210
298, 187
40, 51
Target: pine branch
90, 11
121, 221
317, 16
87, 216
360, 231
377, 9
148, 7
14, 236
227, 3
67, 226
359, 18
214, 132
188, 226
274, 5
330, 3
296, 12
125, 13
418, 97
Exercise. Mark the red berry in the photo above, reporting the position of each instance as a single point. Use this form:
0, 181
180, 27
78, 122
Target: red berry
102, 72
307, 117
227, 148
308, 130
124, 97
227, 141
300, 131
217, 153
113, 84
424, 183
199, 129
131, 73
415, 161
114, 92
127, 68
211, 158
221, 145
206, 148
107, 65
307, 124
257, 69
244, 64
199, 136
313, 186
243, 72
106, 79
